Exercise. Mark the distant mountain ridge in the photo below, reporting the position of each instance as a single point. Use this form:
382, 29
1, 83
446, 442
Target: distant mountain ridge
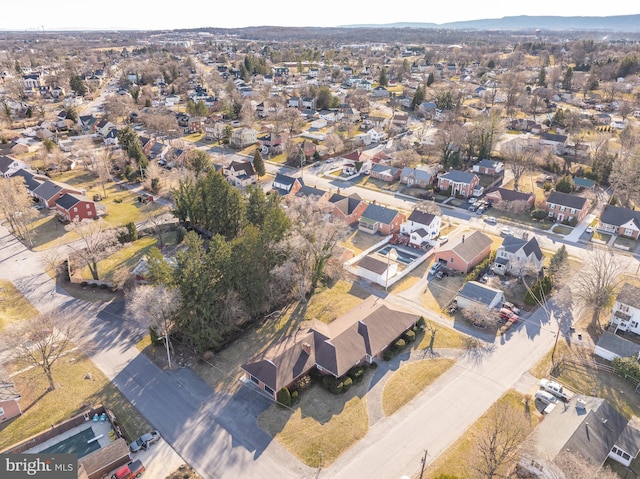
615, 23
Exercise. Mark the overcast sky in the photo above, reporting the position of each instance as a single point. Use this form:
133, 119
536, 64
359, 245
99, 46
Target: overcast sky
159, 14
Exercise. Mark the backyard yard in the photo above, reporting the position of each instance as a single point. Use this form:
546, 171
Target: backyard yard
13, 305
73, 393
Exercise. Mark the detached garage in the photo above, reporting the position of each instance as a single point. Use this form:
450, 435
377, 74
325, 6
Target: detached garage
474, 292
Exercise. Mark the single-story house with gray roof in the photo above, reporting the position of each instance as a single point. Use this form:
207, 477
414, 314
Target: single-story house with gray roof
473, 293
353, 339
380, 219
587, 427
611, 346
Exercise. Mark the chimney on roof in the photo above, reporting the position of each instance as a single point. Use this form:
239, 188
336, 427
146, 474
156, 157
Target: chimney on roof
306, 347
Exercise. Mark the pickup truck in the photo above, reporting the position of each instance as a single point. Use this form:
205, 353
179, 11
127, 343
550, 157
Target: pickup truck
131, 470
556, 389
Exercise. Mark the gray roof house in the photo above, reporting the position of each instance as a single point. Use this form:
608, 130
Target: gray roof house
474, 292
517, 255
381, 219
352, 339
621, 221
587, 427
611, 346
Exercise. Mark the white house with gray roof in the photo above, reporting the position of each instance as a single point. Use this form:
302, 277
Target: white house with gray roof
626, 310
517, 255
475, 293
422, 228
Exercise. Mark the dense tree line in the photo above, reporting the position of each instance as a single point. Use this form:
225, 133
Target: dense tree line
251, 256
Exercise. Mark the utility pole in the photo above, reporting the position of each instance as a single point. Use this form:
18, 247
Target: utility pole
424, 462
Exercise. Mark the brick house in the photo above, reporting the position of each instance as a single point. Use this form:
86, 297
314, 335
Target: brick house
380, 219
385, 173
416, 177
501, 198
72, 207
464, 252
620, 221
348, 208
49, 191
460, 182
488, 167
565, 207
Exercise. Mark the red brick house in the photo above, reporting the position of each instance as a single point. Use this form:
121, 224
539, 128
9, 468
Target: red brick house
566, 207
380, 219
464, 252
72, 207
460, 182
620, 221
49, 191
501, 198
348, 208
385, 173
308, 148
9, 397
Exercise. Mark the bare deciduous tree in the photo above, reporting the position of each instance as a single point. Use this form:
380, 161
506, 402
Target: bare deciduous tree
518, 159
497, 442
575, 466
43, 340
595, 284
97, 241
16, 206
157, 305
478, 314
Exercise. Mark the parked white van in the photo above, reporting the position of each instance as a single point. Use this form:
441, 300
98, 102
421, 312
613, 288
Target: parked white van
546, 397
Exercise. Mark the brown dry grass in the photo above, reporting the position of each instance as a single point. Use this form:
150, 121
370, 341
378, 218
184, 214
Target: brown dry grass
410, 380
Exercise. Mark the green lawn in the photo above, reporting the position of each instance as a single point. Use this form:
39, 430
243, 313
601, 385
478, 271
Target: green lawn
42, 408
562, 229
13, 305
128, 256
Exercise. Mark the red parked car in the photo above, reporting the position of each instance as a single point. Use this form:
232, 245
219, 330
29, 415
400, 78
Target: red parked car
508, 315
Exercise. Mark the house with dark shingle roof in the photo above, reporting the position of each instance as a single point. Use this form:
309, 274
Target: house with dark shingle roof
380, 219
620, 221
473, 293
285, 184
9, 165
488, 167
459, 182
32, 180
465, 251
49, 191
589, 428
517, 255
502, 198
240, 174
353, 339
9, 397
416, 177
385, 173
348, 208
611, 346
315, 193
565, 207
71, 207
422, 228
376, 269
556, 142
